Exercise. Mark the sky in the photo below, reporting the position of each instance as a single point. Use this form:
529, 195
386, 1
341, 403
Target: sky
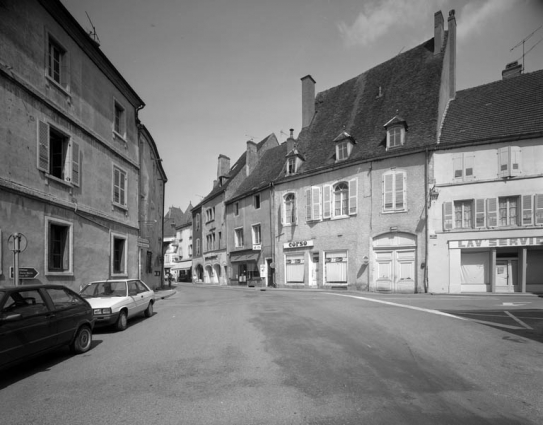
217, 73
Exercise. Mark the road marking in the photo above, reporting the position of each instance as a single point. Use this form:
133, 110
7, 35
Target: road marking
515, 304
516, 319
427, 310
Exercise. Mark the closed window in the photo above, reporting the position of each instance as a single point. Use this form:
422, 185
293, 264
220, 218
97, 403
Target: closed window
395, 137
463, 164
342, 150
289, 209
57, 63
508, 211
58, 155
394, 191
119, 119
341, 199
509, 161
59, 246
463, 214
291, 165
294, 269
238, 237
257, 235
120, 183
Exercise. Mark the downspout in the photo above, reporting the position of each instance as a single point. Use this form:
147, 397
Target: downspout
371, 224
427, 206
272, 231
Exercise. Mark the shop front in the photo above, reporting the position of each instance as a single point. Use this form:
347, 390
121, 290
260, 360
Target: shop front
509, 264
245, 268
182, 271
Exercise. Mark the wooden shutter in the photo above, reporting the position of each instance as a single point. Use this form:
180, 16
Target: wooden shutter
516, 157
399, 191
327, 201
317, 203
469, 162
527, 210
388, 195
539, 208
76, 178
447, 215
503, 162
492, 212
353, 196
308, 205
124, 188
294, 210
43, 146
458, 168
480, 213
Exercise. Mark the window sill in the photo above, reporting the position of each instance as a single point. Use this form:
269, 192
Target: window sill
122, 138
120, 206
56, 179
58, 86
67, 273
121, 275
394, 211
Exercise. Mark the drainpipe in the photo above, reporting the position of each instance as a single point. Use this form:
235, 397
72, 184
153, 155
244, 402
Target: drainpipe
427, 206
272, 230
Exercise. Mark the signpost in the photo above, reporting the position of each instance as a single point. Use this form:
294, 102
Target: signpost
25, 272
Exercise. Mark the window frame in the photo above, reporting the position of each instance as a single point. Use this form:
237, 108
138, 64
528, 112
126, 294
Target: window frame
115, 236
119, 129
256, 201
47, 246
63, 82
292, 165
343, 150
236, 209
256, 241
518, 207
394, 191
239, 237
293, 216
462, 162
462, 204
391, 131
124, 189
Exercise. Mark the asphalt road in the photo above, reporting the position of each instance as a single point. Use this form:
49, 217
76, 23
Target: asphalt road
214, 355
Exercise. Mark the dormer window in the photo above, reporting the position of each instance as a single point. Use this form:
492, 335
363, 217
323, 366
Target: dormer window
294, 160
396, 129
344, 146
291, 165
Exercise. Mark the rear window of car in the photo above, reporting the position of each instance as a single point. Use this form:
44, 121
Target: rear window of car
26, 303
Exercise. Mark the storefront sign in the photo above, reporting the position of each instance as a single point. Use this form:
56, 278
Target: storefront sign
257, 247
143, 243
211, 257
298, 244
496, 243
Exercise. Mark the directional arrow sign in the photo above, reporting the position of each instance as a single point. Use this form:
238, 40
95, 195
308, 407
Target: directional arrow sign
25, 272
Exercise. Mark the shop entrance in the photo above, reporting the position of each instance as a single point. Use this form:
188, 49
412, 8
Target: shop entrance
314, 265
394, 263
507, 275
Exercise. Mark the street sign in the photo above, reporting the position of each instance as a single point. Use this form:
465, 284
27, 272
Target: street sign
25, 272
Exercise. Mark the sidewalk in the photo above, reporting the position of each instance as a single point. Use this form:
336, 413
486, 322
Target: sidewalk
165, 292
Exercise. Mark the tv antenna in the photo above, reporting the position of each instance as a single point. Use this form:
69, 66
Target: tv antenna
92, 34
523, 41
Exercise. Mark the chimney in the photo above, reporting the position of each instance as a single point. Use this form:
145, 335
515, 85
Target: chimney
308, 100
438, 32
223, 166
451, 26
513, 69
251, 157
290, 142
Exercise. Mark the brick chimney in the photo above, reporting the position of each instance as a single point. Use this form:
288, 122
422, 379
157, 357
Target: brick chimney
451, 44
251, 157
308, 100
513, 69
438, 32
223, 166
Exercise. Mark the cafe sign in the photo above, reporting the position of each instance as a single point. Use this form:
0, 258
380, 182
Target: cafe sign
298, 244
496, 243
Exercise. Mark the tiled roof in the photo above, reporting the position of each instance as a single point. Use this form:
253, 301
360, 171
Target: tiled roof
267, 169
510, 107
409, 83
173, 217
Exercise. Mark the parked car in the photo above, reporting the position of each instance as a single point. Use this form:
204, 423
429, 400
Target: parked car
115, 301
37, 318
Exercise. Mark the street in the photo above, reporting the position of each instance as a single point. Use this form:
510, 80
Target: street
222, 355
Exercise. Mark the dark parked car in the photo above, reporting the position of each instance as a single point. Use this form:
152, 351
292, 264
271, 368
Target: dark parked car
37, 318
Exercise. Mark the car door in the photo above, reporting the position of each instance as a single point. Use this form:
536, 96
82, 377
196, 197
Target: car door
26, 325
69, 311
146, 294
141, 298
135, 296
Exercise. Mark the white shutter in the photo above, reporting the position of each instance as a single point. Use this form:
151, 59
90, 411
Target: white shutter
125, 189
516, 157
327, 201
503, 162
388, 197
282, 208
492, 212
308, 205
480, 213
527, 210
317, 203
76, 161
294, 210
538, 208
458, 168
353, 196
447, 215
43, 146
399, 191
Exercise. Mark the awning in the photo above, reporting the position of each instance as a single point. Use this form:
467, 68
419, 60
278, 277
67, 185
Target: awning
239, 258
182, 265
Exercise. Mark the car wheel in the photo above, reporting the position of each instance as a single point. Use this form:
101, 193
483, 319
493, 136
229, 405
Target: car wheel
82, 341
149, 310
122, 321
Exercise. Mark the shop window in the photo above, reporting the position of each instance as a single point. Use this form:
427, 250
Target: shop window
58, 155
59, 246
294, 268
394, 191
335, 267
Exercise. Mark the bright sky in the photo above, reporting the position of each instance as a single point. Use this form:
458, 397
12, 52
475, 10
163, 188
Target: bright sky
216, 73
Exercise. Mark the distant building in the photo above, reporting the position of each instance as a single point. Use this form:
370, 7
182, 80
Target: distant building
182, 269
71, 163
170, 244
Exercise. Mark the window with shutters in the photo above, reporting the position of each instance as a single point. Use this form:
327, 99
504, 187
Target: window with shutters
463, 165
120, 185
289, 209
118, 254
57, 62
341, 199
538, 203
463, 214
394, 191
508, 211
58, 246
509, 161
313, 203
58, 156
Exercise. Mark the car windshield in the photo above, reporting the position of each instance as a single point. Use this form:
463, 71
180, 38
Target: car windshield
104, 289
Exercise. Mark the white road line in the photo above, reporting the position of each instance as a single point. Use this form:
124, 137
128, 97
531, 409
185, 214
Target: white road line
516, 319
427, 310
